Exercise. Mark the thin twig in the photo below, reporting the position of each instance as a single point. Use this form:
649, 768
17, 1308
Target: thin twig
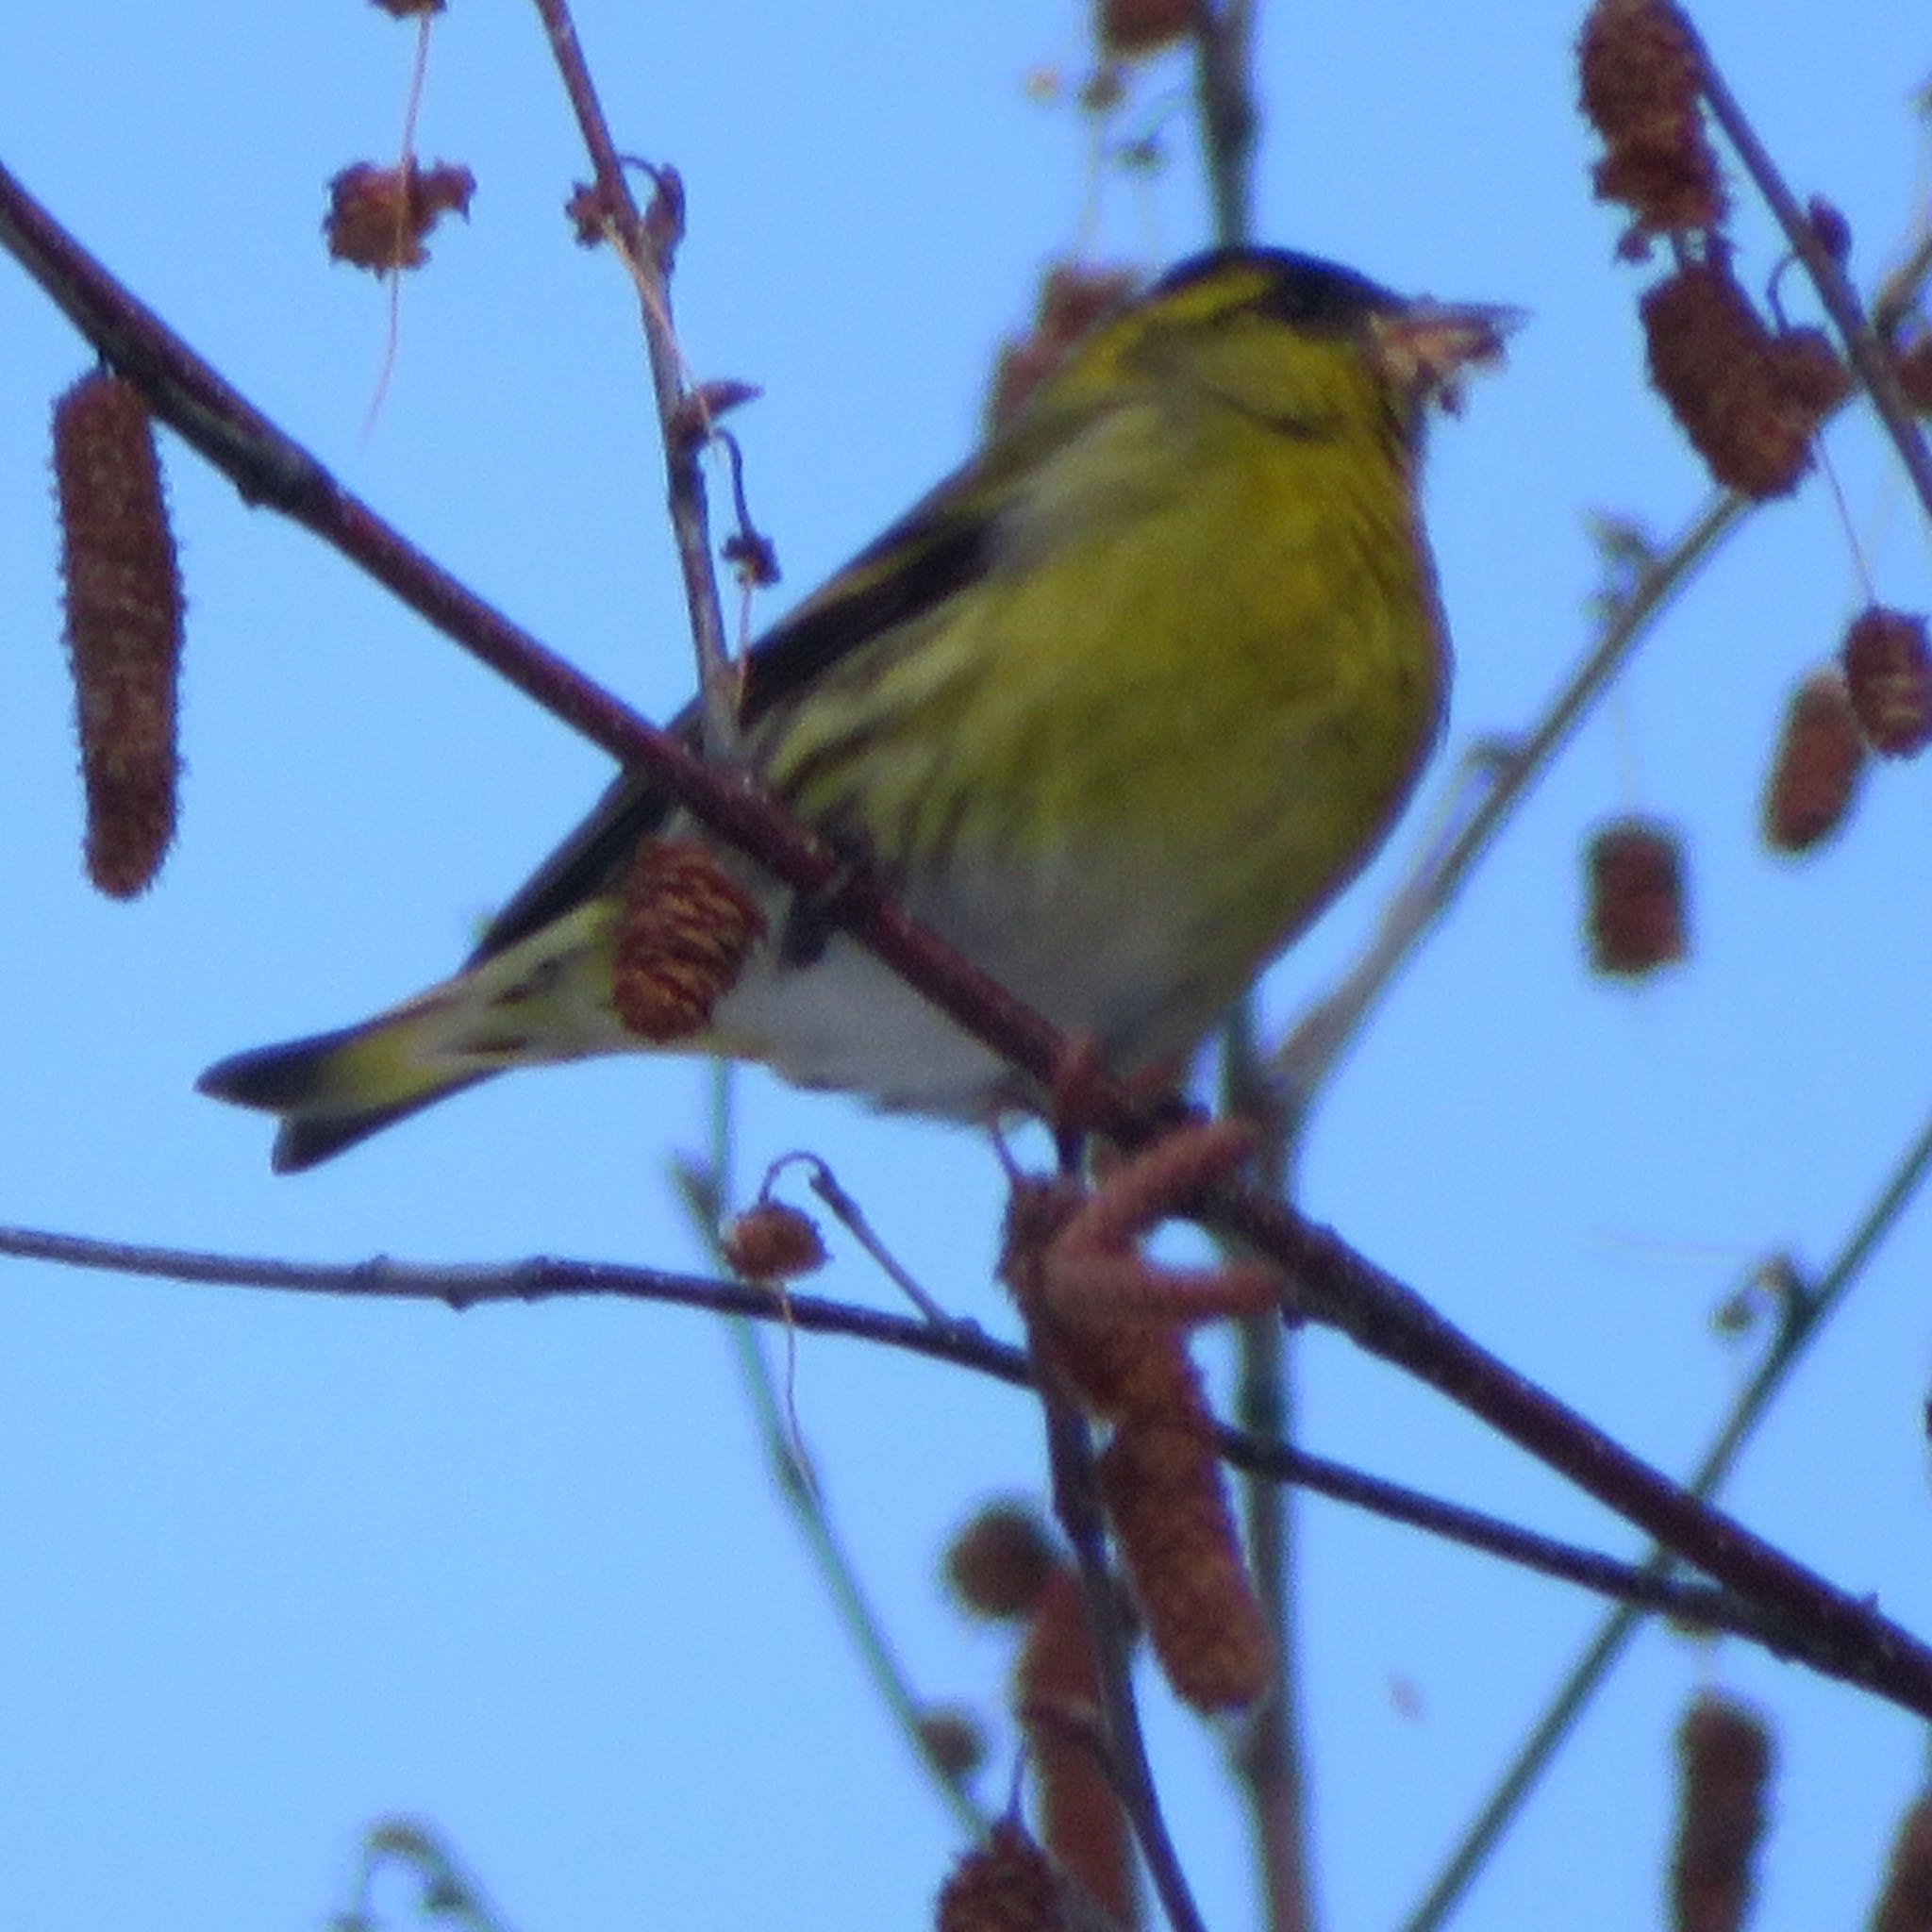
647, 249
1806, 1313
1076, 1502
852, 1218
704, 1192
1267, 1756
963, 1345
1225, 96
1336, 1284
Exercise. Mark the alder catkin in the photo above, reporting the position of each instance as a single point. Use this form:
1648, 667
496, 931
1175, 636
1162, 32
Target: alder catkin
123, 627
1888, 668
1165, 1496
1724, 1762
1905, 1903
1057, 1700
1637, 924
1814, 776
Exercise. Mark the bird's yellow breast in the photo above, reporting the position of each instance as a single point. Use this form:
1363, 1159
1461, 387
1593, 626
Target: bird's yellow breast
1200, 685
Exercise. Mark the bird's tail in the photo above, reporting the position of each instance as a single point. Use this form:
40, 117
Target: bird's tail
544, 999
335, 1089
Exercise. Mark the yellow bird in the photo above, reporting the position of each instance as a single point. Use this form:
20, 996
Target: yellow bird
1115, 709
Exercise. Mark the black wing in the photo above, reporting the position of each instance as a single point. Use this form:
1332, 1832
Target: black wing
933, 552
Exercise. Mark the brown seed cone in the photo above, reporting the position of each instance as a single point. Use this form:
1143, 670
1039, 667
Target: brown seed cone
123, 627
1057, 1698
1641, 69
1724, 1751
1127, 29
1162, 1485
1636, 898
1749, 401
1071, 300
1000, 1563
1904, 1904
1821, 756
1005, 1885
378, 216
1888, 673
686, 932
954, 1739
772, 1241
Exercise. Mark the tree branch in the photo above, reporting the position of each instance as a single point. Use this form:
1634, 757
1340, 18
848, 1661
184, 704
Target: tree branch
1334, 1283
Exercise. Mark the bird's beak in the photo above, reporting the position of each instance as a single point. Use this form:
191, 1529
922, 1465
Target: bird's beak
1424, 348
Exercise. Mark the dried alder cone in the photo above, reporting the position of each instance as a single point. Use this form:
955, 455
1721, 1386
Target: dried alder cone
1821, 756
1641, 70
954, 1741
1749, 400
1724, 1751
772, 1241
379, 217
686, 932
1005, 1885
1000, 1563
1057, 1700
1636, 898
1904, 1904
123, 627
1888, 673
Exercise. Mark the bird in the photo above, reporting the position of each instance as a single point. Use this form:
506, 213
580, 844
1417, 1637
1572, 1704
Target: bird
1116, 710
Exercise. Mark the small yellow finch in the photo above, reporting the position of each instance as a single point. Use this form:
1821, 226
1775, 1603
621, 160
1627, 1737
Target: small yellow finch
1116, 710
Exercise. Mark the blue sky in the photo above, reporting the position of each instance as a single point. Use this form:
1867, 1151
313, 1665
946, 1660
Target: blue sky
276, 1567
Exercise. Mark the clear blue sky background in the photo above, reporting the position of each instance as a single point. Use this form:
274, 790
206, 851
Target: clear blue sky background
271, 1567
